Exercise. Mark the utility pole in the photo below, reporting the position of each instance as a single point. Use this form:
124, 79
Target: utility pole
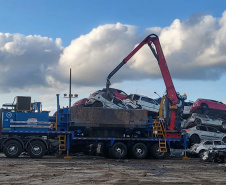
70, 91
70, 96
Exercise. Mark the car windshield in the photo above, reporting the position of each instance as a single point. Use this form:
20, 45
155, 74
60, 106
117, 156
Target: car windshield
118, 102
211, 129
201, 128
208, 143
217, 142
121, 92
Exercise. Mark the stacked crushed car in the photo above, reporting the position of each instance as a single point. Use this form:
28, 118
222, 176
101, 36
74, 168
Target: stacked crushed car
120, 100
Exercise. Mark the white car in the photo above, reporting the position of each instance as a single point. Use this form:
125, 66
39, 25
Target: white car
197, 119
144, 102
207, 145
201, 132
101, 100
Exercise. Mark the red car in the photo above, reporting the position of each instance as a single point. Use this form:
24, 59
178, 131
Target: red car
80, 103
118, 93
212, 107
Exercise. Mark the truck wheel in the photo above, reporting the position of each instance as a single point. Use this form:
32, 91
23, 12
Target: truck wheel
12, 149
155, 152
118, 151
36, 149
140, 151
194, 139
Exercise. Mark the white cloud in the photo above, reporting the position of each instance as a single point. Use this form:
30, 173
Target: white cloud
93, 56
25, 61
194, 49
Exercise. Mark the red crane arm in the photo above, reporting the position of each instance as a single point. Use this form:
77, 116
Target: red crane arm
158, 53
175, 99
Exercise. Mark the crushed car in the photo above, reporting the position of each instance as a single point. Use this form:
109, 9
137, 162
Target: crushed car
200, 132
214, 155
100, 98
199, 149
210, 107
80, 103
120, 100
142, 102
198, 119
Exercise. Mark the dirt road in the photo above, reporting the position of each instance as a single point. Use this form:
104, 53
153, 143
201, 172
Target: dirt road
98, 170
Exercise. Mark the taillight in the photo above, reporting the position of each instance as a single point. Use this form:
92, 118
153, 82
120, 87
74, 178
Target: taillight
186, 130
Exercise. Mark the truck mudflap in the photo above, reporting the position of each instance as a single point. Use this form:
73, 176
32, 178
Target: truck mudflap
101, 117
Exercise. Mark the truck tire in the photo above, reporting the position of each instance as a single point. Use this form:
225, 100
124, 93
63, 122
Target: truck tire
154, 150
140, 151
12, 148
118, 151
36, 149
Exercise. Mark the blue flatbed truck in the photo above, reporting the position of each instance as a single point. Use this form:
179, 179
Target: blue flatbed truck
26, 128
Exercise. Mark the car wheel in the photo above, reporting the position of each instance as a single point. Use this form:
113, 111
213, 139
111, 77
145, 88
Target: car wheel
224, 125
194, 139
198, 121
201, 152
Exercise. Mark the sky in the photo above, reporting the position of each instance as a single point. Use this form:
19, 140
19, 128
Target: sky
41, 40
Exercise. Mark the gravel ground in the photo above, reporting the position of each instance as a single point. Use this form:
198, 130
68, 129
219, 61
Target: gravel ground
99, 170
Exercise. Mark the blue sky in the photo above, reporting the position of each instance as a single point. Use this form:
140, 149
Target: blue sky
41, 40
72, 18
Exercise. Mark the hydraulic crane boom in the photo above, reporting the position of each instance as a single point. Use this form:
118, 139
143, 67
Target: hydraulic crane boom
175, 99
